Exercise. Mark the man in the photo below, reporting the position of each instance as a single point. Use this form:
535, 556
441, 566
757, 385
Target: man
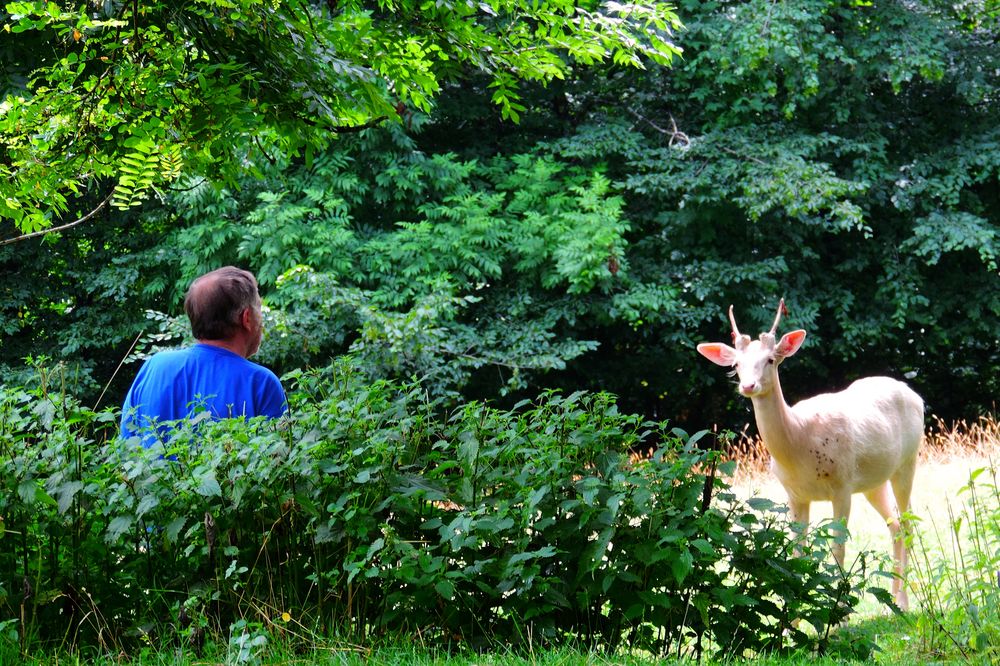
225, 312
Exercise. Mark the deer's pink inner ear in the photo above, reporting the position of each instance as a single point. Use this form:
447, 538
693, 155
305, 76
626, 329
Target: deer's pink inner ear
718, 353
790, 343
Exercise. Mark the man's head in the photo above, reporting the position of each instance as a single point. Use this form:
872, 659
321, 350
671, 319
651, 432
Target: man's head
224, 306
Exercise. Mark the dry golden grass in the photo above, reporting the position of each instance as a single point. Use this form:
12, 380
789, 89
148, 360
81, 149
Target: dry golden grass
980, 439
943, 442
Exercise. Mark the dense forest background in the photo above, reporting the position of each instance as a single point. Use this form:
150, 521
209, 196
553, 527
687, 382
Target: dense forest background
584, 232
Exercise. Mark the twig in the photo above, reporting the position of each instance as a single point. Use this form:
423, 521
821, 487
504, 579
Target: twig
675, 134
732, 152
264, 152
115, 373
63, 227
200, 182
347, 129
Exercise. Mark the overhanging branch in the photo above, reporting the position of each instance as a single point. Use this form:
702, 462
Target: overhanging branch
347, 129
61, 227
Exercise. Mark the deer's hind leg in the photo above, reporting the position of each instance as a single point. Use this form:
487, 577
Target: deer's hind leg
902, 486
841, 515
884, 500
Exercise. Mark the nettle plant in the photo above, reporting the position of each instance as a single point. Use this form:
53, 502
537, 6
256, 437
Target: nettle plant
370, 511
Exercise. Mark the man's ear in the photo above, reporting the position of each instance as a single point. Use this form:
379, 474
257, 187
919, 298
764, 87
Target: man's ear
246, 318
718, 353
790, 343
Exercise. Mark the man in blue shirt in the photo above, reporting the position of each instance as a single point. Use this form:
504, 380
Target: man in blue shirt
224, 308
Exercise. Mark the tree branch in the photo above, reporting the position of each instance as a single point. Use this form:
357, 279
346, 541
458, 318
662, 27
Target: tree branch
675, 135
63, 227
347, 129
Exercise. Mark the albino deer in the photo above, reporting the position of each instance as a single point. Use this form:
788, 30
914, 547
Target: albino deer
863, 439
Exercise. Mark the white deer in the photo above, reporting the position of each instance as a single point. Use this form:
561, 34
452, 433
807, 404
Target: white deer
863, 439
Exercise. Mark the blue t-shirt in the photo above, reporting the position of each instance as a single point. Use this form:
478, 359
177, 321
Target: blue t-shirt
173, 385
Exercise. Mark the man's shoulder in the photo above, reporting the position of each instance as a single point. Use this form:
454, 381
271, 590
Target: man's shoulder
265, 373
167, 357
235, 361
264, 383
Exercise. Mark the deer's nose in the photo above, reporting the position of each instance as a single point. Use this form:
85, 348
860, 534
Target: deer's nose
747, 389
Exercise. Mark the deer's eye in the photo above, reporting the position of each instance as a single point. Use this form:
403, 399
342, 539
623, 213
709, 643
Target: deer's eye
770, 361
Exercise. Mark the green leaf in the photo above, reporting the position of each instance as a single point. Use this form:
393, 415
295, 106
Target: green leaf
208, 485
119, 526
65, 493
681, 566
445, 588
173, 529
28, 490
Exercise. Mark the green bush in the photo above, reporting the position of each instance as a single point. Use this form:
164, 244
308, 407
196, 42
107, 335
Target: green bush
368, 512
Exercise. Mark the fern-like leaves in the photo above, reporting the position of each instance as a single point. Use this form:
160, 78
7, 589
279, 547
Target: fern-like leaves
145, 165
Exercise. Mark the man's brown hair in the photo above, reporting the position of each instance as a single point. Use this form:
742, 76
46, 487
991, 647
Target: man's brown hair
215, 302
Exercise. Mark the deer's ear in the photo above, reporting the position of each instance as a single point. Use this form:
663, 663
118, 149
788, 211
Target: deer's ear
718, 353
790, 343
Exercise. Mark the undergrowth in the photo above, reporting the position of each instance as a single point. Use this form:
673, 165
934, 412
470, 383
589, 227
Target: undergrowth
957, 572
371, 512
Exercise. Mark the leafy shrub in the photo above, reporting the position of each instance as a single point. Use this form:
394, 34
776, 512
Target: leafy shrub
368, 512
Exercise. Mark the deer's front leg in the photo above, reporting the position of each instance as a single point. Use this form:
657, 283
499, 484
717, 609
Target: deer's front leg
841, 513
799, 517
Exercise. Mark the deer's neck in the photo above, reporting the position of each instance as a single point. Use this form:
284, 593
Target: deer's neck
775, 423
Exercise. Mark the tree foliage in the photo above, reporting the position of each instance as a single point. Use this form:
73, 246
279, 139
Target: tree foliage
843, 155
121, 97
420, 264
840, 154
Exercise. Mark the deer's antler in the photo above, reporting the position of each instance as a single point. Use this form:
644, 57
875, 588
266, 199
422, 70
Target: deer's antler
732, 320
777, 318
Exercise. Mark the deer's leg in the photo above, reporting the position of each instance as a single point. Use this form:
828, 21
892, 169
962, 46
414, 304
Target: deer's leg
841, 514
884, 501
902, 484
799, 515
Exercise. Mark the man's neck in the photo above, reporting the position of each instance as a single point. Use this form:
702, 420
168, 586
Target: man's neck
235, 345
